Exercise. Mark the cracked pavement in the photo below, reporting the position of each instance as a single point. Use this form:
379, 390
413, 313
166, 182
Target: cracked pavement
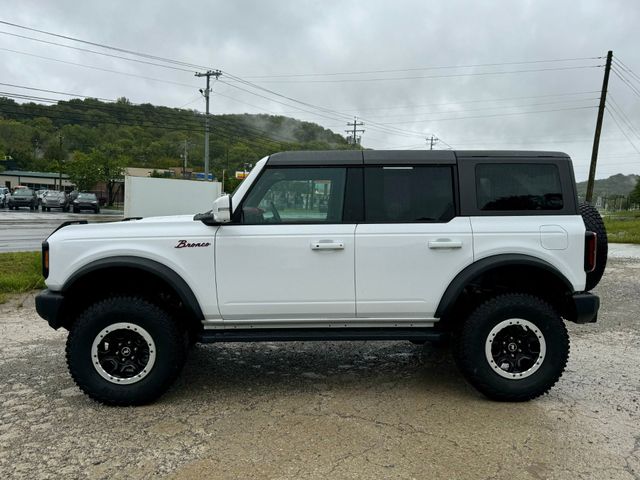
328, 410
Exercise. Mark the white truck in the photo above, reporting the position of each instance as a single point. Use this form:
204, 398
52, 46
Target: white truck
490, 249
153, 197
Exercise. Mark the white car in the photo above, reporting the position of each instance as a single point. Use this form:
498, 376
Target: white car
489, 248
4, 193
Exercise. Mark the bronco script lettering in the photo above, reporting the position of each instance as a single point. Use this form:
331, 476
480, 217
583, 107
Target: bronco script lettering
185, 244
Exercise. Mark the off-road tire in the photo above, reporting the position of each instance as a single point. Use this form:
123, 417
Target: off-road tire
169, 350
593, 222
469, 348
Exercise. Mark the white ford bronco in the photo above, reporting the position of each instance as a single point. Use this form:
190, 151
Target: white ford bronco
490, 249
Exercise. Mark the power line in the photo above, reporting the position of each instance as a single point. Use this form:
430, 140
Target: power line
619, 110
556, 102
420, 77
499, 115
622, 130
416, 69
625, 67
92, 67
108, 47
95, 52
486, 100
624, 80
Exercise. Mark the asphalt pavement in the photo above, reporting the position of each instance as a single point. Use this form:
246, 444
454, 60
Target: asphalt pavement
23, 230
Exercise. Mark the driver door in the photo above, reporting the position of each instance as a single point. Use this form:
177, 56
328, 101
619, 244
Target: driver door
290, 258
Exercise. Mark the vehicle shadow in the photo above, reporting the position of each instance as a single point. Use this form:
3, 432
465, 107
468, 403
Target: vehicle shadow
286, 368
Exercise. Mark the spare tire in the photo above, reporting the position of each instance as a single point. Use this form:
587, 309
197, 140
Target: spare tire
593, 222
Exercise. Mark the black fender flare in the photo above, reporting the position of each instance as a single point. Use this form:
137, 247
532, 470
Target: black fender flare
151, 266
471, 272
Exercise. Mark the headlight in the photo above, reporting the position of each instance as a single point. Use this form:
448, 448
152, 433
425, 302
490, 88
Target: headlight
93, 201
75, 201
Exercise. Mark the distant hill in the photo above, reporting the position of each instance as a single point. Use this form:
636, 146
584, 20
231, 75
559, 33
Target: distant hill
34, 136
618, 184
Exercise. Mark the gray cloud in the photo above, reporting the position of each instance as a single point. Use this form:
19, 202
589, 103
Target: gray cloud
252, 38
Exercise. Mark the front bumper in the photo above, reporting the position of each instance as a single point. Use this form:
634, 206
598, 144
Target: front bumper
586, 307
48, 306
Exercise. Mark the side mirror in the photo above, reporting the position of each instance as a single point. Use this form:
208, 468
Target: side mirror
221, 210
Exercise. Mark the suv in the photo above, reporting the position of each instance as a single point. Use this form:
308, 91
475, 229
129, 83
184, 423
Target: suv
85, 201
23, 197
488, 248
55, 199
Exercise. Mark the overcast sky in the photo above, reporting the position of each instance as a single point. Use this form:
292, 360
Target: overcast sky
468, 108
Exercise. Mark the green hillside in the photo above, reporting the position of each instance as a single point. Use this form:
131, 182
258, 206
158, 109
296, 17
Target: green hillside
615, 185
41, 137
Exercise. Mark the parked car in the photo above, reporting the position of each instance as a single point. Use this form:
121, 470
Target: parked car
489, 248
4, 194
40, 195
55, 199
86, 201
23, 197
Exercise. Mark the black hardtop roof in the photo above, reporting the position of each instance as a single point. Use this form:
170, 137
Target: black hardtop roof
379, 157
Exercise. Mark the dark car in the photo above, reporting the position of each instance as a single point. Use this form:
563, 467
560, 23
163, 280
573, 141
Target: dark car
23, 197
55, 199
86, 201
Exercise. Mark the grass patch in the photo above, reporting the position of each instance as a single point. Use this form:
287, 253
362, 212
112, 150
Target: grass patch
20, 272
623, 227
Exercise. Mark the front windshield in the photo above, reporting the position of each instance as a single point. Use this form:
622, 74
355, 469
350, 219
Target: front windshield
87, 196
23, 193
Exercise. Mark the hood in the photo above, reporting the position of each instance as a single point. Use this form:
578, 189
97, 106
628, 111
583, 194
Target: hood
156, 227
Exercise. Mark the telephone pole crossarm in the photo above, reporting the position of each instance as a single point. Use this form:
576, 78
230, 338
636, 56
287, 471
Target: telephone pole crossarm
355, 130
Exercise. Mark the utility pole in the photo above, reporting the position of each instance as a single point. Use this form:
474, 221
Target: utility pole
354, 139
432, 141
185, 156
596, 138
60, 161
205, 93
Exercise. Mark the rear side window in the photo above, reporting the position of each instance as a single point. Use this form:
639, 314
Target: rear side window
518, 186
396, 194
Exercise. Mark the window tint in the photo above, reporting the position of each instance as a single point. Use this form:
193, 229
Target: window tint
296, 195
518, 186
409, 194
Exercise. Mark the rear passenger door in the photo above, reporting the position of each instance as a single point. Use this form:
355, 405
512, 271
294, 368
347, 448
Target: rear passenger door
411, 243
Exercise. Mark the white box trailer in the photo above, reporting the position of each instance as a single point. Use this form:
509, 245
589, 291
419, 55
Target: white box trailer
153, 197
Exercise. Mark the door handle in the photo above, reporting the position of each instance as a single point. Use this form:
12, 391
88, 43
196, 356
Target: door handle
444, 244
327, 245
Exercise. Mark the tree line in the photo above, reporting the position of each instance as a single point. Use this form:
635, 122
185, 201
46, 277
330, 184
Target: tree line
93, 140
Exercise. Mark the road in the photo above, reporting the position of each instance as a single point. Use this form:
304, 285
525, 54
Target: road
24, 231
328, 410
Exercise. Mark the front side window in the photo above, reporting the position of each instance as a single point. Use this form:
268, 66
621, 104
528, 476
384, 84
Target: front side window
518, 186
409, 194
296, 195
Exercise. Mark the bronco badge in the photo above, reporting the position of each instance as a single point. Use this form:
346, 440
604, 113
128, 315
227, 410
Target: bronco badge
185, 244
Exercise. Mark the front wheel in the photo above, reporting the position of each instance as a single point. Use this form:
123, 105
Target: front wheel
513, 347
125, 351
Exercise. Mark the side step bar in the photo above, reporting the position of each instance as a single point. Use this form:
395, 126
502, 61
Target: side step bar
319, 334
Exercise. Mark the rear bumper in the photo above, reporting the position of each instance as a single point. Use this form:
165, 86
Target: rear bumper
586, 307
48, 306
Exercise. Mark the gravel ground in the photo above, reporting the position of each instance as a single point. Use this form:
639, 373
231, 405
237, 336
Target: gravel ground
328, 410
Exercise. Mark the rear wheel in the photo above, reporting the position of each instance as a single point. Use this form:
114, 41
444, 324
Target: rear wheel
513, 347
125, 351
